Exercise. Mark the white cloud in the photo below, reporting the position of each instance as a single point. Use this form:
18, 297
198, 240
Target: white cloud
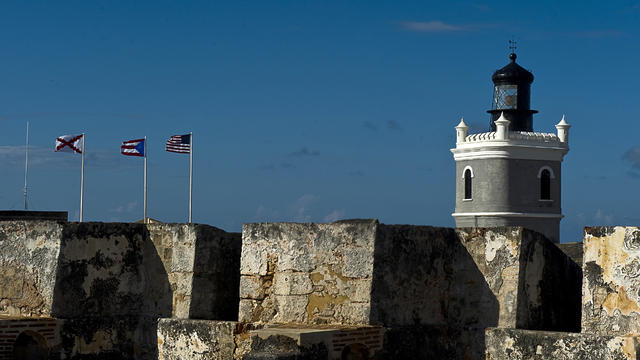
334, 215
14, 155
265, 214
301, 207
126, 208
40, 156
602, 218
298, 210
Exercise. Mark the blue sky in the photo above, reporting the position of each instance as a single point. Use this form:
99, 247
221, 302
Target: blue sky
308, 111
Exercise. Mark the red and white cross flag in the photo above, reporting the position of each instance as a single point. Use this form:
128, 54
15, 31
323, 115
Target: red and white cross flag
70, 143
74, 144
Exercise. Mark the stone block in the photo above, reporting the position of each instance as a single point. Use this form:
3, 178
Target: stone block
292, 283
180, 282
290, 309
252, 287
183, 257
257, 311
611, 285
181, 306
355, 289
308, 264
247, 310
309, 343
195, 339
515, 344
358, 262
253, 260
353, 313
295, 260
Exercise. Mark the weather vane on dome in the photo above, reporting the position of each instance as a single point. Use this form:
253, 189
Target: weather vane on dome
513, 45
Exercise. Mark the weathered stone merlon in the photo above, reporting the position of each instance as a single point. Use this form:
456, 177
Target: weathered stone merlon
611, 285
363, 272
69, 270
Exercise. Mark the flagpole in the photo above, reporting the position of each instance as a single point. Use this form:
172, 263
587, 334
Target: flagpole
144, 218
190, 175
26, 166
84, 148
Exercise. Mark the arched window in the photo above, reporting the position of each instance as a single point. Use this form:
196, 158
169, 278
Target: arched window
30, 345
545, 185
545, 175
468, 175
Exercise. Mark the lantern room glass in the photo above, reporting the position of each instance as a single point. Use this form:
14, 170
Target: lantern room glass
505, 97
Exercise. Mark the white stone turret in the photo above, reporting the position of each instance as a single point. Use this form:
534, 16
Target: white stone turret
510, 178
563, 130
462, 130
502, 128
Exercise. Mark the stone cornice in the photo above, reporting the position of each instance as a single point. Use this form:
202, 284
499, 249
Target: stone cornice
510, 149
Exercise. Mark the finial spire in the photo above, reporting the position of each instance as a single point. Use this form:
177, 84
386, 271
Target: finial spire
513, 45
502, 127
563, 121
461, 130
563, 130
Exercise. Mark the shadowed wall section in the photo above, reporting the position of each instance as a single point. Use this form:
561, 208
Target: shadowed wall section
111, 286
425, 275
216, 274
610, 306
435, 291
115, 280
550, 286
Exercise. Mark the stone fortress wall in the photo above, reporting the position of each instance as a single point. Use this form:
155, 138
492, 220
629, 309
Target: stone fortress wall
610, 306
353, 289
106, 284
432, 291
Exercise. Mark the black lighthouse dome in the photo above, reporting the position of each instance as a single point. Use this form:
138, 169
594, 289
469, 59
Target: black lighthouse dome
512, 96
512, 73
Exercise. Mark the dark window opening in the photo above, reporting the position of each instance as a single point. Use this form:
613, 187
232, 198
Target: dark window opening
355, 352
30, 346
545, 185
467, 184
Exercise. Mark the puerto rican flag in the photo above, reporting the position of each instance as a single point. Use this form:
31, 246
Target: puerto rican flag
133, 147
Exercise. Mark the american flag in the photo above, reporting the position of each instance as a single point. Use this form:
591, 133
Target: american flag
179, 144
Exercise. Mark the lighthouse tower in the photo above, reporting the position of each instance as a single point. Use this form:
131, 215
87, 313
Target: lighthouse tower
510, 176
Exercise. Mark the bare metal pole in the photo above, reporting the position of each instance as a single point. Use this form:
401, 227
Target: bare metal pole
145, 219
26, 166
84, 148
190, 175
